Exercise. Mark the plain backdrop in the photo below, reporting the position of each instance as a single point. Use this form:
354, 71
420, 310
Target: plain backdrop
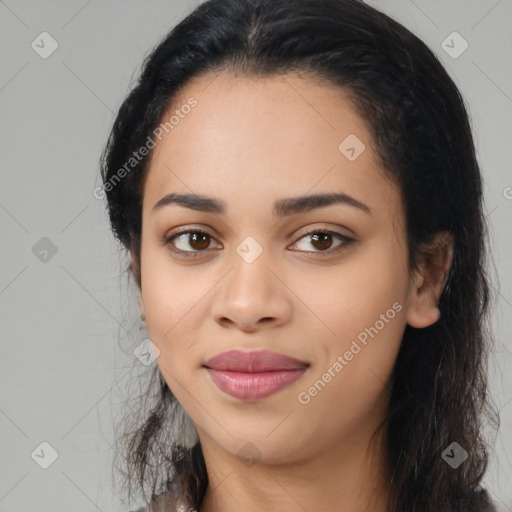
69, 322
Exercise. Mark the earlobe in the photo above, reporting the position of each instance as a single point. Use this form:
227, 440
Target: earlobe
423, 315
428, 282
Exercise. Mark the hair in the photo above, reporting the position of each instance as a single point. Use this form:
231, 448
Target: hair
421, 132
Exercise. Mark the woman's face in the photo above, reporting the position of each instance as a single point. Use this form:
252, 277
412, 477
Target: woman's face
263, 277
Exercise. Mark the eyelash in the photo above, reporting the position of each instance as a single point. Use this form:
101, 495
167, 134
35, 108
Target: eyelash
346, 241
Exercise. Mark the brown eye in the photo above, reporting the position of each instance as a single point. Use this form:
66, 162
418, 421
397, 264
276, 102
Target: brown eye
322, 242
189, 242
194, 242
199, 241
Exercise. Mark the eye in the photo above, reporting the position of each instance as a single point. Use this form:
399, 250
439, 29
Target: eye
199, 241
322, 240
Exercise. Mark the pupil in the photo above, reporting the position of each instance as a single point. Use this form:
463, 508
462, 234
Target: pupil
323, 236
195, 237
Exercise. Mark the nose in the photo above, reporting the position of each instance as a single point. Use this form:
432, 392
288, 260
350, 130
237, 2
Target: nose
253, 297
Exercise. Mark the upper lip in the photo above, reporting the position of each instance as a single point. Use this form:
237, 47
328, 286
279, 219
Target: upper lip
253, 361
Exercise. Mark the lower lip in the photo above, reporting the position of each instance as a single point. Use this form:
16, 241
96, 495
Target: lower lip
251, 386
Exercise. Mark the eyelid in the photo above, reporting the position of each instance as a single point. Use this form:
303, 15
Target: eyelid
308, 230
187, 229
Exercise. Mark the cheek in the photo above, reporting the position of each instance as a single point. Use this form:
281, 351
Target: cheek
163, 293
166, 287
175, 307
339, 300
352, 295
364, 307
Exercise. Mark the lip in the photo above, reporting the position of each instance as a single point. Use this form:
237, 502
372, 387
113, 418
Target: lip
253, 361
253, 375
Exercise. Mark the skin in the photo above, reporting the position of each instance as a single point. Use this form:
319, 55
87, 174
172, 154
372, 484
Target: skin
249, 142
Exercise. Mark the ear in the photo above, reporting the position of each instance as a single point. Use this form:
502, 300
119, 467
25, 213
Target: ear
428, 281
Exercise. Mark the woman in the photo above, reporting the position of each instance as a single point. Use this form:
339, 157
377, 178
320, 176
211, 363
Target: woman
296, 185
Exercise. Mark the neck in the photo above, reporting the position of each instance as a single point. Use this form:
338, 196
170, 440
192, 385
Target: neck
352, 477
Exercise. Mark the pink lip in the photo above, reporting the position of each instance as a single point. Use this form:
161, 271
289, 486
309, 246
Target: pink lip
253, 375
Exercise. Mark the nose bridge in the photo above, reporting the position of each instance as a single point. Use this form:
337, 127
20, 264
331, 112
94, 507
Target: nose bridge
251, 279
251, 291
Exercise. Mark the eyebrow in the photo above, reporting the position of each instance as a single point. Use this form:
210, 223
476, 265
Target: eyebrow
282, 207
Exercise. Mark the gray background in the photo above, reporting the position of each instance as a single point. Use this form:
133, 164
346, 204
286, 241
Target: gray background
68, 320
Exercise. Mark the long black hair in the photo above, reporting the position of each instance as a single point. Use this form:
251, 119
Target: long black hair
421, 131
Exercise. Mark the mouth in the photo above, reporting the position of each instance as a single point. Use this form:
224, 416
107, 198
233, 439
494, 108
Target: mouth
252, 376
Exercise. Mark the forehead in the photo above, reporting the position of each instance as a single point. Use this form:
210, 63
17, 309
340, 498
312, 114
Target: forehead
262, 138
